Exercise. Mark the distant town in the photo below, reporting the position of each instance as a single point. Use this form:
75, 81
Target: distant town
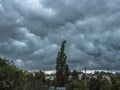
103, 75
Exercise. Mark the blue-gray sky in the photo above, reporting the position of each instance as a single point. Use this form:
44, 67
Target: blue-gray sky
31, 32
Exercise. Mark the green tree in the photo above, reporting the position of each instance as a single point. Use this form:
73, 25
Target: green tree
40, 76
67, 73
62, 69
94, 84
10, 76
99, 84
115, 83
74, 75
76, 85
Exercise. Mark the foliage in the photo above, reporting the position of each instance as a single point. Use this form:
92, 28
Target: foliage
62, 69
10, 76
74, 75
115, 83
99, 84
40, 76
76, 85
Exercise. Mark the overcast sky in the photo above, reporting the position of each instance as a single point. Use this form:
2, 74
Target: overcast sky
31, 32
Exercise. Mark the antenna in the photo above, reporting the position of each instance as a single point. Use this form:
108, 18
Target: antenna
85, 84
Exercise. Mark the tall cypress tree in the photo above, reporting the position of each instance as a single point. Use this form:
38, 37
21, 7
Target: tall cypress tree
62, 69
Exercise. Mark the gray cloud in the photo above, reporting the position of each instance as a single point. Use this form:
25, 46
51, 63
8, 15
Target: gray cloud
31, 32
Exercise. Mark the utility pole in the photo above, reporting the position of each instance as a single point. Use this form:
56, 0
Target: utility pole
85, 83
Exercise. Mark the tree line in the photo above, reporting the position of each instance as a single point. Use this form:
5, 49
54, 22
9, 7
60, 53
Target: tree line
12, 78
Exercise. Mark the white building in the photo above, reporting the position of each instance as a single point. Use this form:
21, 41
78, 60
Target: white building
50, 77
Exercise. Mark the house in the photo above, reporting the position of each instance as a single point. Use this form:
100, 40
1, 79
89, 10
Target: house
80, 76
107, 78
94, 76
50, 77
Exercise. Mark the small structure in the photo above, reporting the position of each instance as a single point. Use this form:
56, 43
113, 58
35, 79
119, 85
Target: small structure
80, 76
107, 78
50, 77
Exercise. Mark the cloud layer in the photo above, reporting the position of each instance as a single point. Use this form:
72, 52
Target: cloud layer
31, 32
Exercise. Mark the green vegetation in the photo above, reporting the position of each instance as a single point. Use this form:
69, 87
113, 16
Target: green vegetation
76, 85
74, 75
62, 69
11, 77
98, 84
115, 82
40, 76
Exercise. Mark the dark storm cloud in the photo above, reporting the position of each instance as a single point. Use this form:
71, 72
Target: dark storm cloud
31, 32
